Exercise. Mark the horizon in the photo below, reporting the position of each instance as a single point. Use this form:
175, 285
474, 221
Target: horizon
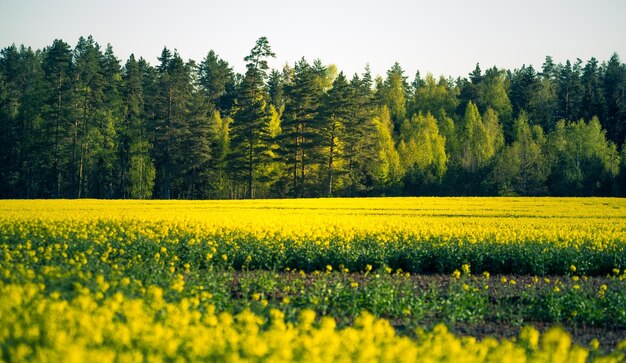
506, 36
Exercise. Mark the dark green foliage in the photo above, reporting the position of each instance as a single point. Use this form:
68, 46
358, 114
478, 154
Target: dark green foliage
299, 120
250, 128
215, 77
615, 97
75, 124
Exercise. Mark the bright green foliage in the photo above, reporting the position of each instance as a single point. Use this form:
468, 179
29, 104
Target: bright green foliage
434, 97
70, 117
386, 168
492, 93
447, 129
522, 167
220, 149
141, 171
493, 128
422, 151
393, 94
583, 160
273, 168
324, 75
477, 141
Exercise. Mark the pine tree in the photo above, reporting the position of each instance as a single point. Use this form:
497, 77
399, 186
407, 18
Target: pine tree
299, 139
170, 131
58, 117
359, 139
196, 150
593, 102
249, 143
614, 82
22, 89
543, 103
214, 77
525, 83
136, 168
570, 91
85, 131
111, 116
335, 110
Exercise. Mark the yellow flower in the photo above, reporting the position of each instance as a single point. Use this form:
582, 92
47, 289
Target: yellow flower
465, 268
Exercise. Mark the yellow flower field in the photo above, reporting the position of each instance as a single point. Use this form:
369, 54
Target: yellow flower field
253, 280
566, 220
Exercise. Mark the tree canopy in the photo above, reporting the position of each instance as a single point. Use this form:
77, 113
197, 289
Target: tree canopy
77, 122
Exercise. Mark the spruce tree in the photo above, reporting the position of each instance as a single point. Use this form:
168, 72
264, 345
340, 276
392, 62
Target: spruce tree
249, 144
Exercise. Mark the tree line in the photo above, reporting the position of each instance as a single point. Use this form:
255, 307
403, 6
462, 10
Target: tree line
75, 123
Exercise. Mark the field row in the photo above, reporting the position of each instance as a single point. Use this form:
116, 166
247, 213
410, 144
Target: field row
41, 327
152, 246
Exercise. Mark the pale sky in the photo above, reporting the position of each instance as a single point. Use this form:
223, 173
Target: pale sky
441, 37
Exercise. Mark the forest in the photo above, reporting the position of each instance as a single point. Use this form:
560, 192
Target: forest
79, 123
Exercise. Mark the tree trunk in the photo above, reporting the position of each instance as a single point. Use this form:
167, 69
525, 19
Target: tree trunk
330, 161
250, 170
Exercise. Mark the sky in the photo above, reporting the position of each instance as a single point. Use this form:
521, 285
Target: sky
446, 37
